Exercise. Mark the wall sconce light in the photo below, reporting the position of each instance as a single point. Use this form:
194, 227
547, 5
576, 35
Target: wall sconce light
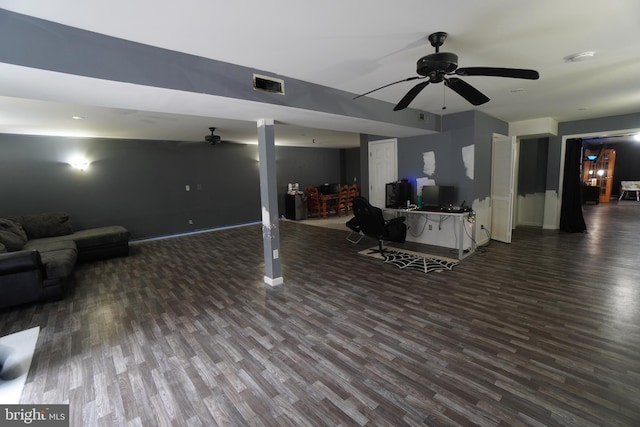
80, 163
600, 172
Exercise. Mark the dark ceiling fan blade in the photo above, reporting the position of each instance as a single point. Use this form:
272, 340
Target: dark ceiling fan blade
516, 73
465, 90
410, 96
390, 84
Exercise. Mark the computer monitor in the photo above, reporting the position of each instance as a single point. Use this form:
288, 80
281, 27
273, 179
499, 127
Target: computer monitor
439, 196
430, 196
448, 196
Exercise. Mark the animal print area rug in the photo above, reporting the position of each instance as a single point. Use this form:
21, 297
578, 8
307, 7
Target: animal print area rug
408, 260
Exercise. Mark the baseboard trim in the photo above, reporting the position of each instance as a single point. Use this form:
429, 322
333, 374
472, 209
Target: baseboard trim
187, 233
277, 281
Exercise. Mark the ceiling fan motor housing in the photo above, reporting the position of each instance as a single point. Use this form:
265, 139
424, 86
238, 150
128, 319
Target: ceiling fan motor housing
437, 65
213, 139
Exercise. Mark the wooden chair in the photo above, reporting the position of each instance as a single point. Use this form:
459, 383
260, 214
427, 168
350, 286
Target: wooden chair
313, 201
343, 201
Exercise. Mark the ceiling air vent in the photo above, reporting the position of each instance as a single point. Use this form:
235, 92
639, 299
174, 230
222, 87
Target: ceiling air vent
268, 84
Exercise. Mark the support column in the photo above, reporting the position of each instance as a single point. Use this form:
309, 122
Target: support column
269, 198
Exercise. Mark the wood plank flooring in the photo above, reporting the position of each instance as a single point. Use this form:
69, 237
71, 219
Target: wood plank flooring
542, 332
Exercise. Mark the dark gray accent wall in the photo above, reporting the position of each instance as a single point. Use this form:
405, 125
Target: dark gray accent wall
458, 130
142, 184
410, 160
484, 130
532, 167
36, 43
307, 167
352, 166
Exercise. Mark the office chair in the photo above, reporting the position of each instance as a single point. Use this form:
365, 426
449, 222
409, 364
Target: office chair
368, 219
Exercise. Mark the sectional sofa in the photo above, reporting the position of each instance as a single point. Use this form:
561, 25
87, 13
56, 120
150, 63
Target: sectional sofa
38, 254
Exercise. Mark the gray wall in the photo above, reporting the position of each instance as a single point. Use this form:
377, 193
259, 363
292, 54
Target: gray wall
352, 166
532, 167
141, 184
484, 129
458, 130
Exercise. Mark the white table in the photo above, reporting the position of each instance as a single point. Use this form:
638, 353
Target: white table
428, 236
626, 186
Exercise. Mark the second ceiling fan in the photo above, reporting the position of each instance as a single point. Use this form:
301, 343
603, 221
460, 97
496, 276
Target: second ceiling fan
437, 67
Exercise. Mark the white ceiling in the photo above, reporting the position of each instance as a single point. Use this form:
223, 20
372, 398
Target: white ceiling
354, 45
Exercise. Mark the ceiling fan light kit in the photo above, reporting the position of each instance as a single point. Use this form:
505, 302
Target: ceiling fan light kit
437, 67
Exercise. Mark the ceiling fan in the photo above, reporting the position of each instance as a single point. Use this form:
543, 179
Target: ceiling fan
437, 67
213, 139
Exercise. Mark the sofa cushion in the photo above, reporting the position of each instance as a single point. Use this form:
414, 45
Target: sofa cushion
12, 235
101, 236
47, 224
49, 244
59, 258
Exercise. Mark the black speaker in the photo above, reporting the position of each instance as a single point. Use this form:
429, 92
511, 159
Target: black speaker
295, 206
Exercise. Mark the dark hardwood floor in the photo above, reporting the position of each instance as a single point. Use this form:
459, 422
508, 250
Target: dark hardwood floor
542, 332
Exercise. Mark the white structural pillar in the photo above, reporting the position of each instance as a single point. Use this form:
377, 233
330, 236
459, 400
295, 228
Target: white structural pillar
269, 198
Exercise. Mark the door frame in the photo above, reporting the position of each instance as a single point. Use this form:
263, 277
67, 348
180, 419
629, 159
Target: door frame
552, 214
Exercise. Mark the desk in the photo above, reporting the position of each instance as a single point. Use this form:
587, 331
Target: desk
590, 193
324, 198
441, 237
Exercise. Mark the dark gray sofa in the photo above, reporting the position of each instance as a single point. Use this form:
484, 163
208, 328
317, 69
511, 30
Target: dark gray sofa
38, 254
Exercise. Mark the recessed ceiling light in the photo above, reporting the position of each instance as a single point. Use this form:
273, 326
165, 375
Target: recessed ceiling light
576, 57
77, 117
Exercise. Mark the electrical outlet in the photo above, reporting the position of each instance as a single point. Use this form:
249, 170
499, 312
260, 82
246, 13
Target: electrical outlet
481, 226
430, 227
190, 221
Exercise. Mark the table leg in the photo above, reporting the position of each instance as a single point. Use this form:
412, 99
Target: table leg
461, 238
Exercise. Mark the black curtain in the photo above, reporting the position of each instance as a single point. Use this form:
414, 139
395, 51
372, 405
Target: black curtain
571, 219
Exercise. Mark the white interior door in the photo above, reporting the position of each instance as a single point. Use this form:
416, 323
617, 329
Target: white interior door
502, 187
383, 168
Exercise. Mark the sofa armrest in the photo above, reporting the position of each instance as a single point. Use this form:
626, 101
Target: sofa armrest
19, 261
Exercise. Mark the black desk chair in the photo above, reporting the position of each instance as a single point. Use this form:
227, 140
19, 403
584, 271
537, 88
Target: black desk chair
369, 221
